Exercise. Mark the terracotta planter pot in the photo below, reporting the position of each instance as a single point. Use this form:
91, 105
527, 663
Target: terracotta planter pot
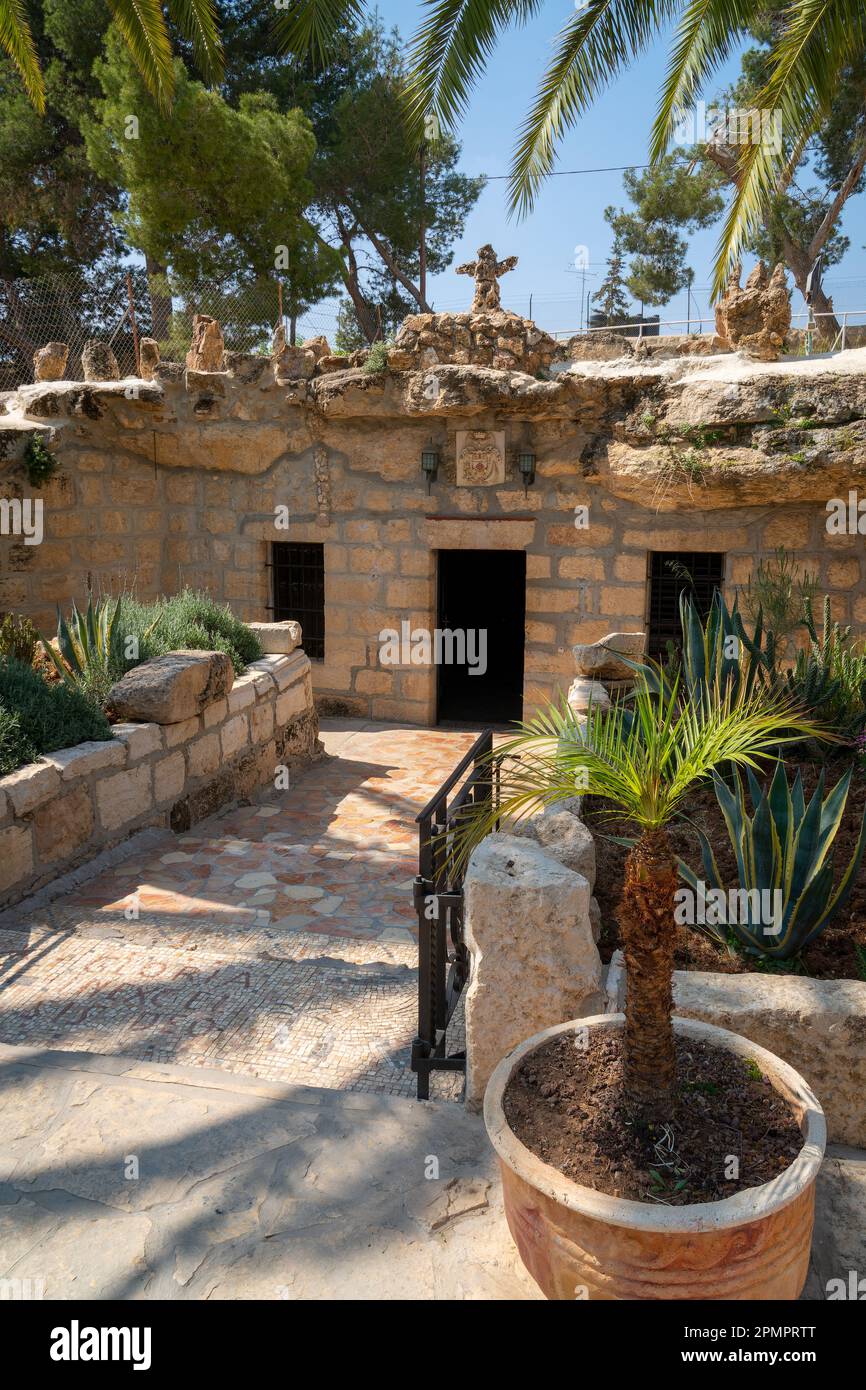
577, 1243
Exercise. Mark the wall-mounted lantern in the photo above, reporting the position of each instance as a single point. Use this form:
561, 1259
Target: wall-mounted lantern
526, 464
430, 464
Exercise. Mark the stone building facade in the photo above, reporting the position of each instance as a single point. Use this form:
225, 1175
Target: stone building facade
206, 477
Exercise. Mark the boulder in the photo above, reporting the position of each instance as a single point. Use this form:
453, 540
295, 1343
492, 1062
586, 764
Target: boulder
318, 346
99, 362
169, 371
534, 961
250, 368
208, 346
172, 688
277, 638
562, 834
49, 362
290, 361
599, 659
148, 358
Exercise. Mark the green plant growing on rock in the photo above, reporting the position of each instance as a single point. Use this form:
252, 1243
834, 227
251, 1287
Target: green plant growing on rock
39, 462
377, 358
784, 853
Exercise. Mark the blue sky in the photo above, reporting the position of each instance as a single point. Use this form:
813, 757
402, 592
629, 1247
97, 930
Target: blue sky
570, 210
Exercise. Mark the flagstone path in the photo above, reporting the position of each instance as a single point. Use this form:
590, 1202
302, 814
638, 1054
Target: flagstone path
276, 940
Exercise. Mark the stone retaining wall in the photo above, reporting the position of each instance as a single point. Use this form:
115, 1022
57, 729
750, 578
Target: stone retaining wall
819, 1026
62, 810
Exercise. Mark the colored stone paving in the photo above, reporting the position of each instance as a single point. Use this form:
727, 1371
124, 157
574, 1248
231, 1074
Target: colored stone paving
277, 940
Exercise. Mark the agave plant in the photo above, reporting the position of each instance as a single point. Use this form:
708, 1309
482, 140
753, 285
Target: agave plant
717, 654
90, 646
784, 849
644, 759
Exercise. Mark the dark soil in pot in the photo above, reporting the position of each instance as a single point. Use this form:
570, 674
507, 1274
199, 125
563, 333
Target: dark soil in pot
839, 953
565, 1102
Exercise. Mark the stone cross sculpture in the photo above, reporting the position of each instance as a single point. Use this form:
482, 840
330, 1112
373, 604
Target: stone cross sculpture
487, 271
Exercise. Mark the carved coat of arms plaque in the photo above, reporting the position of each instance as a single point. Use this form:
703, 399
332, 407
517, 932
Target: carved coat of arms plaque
480, 458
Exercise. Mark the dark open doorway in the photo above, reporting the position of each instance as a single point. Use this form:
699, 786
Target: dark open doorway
482, 604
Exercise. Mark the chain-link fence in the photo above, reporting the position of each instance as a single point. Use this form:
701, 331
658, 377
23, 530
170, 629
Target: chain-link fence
121, 308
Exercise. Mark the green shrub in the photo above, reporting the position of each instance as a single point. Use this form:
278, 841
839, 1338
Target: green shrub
829, 676
191, 621
18, 638
15, 748
47, 716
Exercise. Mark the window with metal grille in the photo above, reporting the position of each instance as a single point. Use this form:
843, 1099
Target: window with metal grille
299, 591
689, 572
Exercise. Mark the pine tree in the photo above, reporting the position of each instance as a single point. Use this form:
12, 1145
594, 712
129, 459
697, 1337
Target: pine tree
611, 297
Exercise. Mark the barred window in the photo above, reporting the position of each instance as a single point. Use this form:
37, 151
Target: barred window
299, 591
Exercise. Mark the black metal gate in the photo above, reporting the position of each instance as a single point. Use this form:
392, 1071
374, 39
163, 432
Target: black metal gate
443, 961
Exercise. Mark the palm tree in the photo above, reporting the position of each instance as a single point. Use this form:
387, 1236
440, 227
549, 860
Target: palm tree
813, 43
644, 757
143, 25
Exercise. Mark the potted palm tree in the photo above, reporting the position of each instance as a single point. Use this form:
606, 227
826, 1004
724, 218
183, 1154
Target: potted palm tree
634, 1147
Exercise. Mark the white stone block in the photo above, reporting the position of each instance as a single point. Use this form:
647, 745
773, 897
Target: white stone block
30, 786
534, 960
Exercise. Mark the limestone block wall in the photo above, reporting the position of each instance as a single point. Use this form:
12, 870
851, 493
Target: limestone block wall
191, 480
63, 809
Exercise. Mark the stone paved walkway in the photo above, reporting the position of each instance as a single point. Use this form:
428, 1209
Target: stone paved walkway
249, 1189
276, 940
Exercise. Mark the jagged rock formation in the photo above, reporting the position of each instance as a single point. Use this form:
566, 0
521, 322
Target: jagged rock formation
208, 346
148, 358
756, 319
99, 362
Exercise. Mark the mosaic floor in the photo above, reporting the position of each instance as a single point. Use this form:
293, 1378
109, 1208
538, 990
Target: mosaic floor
276, 940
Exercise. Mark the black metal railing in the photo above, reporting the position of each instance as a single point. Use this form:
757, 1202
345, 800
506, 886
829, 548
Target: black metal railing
443, 960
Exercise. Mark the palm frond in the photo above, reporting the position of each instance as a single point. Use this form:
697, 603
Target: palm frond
643, 757
197, 21
596, 44
707, 33
450, 51
819, 39
142, 24
310, 27
16, 40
